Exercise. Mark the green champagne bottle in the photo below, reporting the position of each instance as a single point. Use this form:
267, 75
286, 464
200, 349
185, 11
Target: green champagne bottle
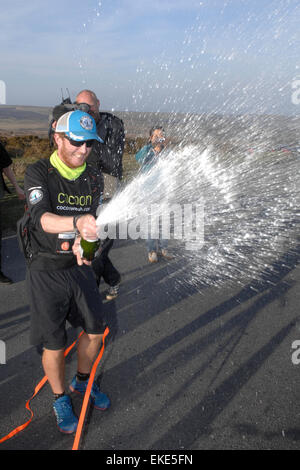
88, 248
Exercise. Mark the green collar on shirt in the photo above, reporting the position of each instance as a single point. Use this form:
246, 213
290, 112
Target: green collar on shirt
68, 173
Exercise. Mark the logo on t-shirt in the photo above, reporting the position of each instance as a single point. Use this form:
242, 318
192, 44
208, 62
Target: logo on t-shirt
35, 196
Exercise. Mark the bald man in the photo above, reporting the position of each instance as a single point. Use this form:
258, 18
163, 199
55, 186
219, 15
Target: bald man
106, 157
110, 128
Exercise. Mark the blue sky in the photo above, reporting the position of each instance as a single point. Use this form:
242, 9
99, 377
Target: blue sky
232, 56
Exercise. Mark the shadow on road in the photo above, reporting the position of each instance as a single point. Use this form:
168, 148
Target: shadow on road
141, 299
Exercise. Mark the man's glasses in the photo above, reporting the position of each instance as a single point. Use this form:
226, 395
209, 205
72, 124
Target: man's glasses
79, 143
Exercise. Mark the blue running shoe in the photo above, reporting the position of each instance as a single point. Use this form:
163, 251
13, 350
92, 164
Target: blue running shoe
100, 400
66, 420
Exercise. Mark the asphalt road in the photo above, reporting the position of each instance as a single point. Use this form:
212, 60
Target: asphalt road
186, 368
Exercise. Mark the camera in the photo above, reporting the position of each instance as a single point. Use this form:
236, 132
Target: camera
64, 107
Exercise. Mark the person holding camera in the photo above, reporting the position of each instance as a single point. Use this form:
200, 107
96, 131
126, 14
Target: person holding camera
105, 156
147, 157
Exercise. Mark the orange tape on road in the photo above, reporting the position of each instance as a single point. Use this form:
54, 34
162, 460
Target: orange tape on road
36, 391
85, 400
87, 394
23, 426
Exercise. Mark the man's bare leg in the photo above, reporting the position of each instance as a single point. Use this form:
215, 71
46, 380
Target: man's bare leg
87, 350
54, 367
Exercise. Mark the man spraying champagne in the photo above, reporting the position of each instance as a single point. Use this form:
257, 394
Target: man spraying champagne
60, 281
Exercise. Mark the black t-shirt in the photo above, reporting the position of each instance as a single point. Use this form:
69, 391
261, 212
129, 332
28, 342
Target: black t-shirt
47, 191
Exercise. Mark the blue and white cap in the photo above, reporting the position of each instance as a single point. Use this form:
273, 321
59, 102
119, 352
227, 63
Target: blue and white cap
78, 126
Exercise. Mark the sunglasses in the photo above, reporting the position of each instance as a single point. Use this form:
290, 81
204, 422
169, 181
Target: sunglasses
79, 143
82, 107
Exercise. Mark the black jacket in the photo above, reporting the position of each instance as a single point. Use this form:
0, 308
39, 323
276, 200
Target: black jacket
108, 156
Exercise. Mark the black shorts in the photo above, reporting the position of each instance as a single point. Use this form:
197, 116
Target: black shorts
58, 296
